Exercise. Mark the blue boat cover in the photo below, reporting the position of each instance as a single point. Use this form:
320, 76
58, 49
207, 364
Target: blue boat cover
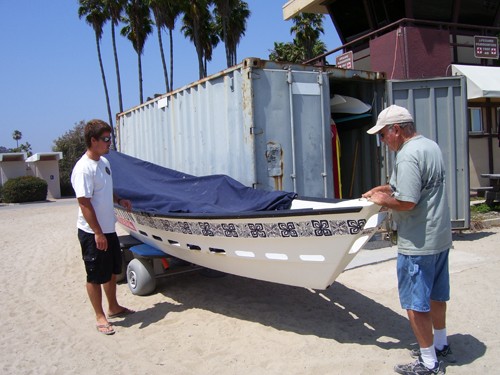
159, 190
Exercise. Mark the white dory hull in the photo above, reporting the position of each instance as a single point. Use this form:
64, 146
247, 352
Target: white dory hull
308, 245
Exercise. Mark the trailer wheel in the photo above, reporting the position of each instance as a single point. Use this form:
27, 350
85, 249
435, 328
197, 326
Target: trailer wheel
140, 277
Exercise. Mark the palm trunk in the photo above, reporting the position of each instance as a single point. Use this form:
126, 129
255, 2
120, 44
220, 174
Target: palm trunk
105, 90
139, 62
224, 11
117, 68
171, 60
234, 57
224, 36
199, 50
165, 73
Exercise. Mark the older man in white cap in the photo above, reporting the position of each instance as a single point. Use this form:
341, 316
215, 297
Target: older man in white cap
417, 196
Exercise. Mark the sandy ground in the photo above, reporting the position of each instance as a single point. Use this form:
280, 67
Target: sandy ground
229, 325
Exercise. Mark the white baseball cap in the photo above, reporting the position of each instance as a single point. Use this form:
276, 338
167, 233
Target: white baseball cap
393, 114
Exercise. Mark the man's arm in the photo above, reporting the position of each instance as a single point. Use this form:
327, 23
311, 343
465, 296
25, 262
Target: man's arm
383, 196
387, 200
91, 218
379, 189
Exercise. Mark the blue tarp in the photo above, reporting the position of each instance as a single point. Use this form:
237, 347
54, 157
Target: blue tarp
160, 190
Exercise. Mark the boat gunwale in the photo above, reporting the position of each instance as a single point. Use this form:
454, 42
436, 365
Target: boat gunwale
251, 214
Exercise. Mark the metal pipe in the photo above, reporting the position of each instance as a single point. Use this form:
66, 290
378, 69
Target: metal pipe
251, 119
489, 130
292, 129
323, 127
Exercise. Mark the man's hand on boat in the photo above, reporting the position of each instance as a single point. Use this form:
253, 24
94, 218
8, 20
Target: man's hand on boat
379, 195
125, 203
384, 196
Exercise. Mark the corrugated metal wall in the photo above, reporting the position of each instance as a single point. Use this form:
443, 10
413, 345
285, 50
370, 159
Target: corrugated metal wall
176, 130
227, 123
439, 107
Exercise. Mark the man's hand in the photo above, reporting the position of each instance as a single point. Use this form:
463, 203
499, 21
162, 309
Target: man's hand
379, 198
125, 203
101, 241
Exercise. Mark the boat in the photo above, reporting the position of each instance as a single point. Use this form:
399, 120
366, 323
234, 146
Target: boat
307, 244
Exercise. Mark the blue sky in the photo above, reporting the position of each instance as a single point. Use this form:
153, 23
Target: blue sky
50, 77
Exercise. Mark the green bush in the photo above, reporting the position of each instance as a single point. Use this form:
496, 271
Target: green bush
24, 189
484, 208
67, 189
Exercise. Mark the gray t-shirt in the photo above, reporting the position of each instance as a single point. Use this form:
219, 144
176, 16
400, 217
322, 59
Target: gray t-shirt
419, 177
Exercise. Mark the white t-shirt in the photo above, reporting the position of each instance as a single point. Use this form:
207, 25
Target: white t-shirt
92, 179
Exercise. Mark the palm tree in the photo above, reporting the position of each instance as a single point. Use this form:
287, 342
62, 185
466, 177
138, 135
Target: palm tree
196, 18
231, 18
210, 39
287, 52
158, 8
307, 30
95, 15
222, 10
114, 9
16, 136
237, 27
138, 26
172, 11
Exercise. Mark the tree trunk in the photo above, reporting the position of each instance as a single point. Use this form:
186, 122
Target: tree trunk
165, 73
139, 63
171, 60
105, 90
199, 50
226, 45
234, 57
117, 68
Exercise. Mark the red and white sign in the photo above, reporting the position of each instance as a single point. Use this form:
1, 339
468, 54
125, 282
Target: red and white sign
485, 47
345, 61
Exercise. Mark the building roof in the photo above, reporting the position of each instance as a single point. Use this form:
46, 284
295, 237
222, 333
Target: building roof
354, 18
45, 156
13, 156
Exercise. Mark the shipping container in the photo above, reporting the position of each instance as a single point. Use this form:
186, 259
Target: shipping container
300, 128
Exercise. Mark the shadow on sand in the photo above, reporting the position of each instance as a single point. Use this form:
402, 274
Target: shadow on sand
338, 313
472, 236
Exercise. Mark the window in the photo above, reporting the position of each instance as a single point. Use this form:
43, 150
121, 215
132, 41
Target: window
475, 123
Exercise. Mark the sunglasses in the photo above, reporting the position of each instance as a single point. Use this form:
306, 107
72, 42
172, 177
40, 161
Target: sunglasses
105, 139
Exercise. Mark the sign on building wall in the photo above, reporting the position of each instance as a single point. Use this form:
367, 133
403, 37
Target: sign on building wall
345, 61
485, 47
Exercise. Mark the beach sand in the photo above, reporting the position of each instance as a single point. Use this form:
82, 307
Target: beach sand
229, 325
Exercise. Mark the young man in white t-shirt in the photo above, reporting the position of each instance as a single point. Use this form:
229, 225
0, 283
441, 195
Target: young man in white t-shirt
93, 184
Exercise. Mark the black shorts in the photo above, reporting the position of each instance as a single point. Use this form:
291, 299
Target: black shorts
99, 264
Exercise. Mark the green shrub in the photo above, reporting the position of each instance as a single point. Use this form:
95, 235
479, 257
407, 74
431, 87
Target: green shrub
24, 189
484, 208
67, 189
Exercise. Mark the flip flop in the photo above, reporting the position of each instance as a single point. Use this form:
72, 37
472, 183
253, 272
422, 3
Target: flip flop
105, 329
121, 314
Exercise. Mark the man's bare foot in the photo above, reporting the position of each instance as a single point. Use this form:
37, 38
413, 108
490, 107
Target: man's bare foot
120, 313
105, 329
